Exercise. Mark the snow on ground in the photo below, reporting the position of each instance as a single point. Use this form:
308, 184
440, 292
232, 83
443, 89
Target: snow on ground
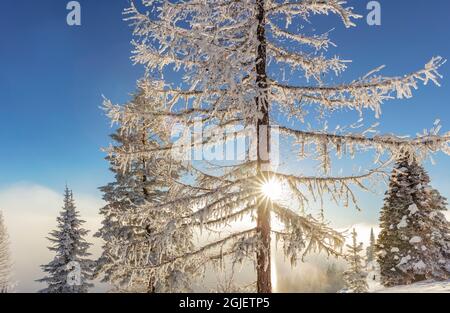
423, 287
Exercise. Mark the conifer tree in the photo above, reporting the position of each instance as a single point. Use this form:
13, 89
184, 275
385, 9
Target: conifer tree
251, 65
372, 267
70, 270
415, 236
5, 258
370, 252
130, 224
355, 276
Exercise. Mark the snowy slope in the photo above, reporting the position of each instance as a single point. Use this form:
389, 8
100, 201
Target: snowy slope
423, 287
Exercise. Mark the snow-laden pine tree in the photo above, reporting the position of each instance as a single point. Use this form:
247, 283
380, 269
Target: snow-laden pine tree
5, 258
71, 269
250, 64
355, 276
370, 251
372, 266
130, 220
414, 243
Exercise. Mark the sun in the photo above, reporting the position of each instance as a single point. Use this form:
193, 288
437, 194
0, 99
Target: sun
271, 189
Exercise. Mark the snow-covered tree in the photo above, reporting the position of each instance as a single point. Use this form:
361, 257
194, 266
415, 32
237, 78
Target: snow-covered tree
251, 64
414, 242
5, 258
372, 266
355, 276
130, 222
370, 251
70, 270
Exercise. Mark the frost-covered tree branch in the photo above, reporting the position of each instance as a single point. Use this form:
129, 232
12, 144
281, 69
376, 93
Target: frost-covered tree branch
228, 57
368, 92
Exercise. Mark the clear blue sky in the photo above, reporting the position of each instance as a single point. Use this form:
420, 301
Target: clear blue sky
52, 78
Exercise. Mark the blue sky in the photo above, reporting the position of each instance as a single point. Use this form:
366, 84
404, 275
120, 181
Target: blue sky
52, 78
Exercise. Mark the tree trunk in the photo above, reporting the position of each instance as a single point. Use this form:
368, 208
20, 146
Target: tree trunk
151, 281
264, 282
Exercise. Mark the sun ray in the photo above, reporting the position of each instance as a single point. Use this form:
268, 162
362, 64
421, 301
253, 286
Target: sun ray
271, 189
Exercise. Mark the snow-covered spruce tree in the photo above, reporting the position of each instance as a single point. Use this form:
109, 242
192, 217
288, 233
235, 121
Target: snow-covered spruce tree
129, 218
370, 251
70, 270
234, 58
372, 266
415, 236
355, 276
5, 258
